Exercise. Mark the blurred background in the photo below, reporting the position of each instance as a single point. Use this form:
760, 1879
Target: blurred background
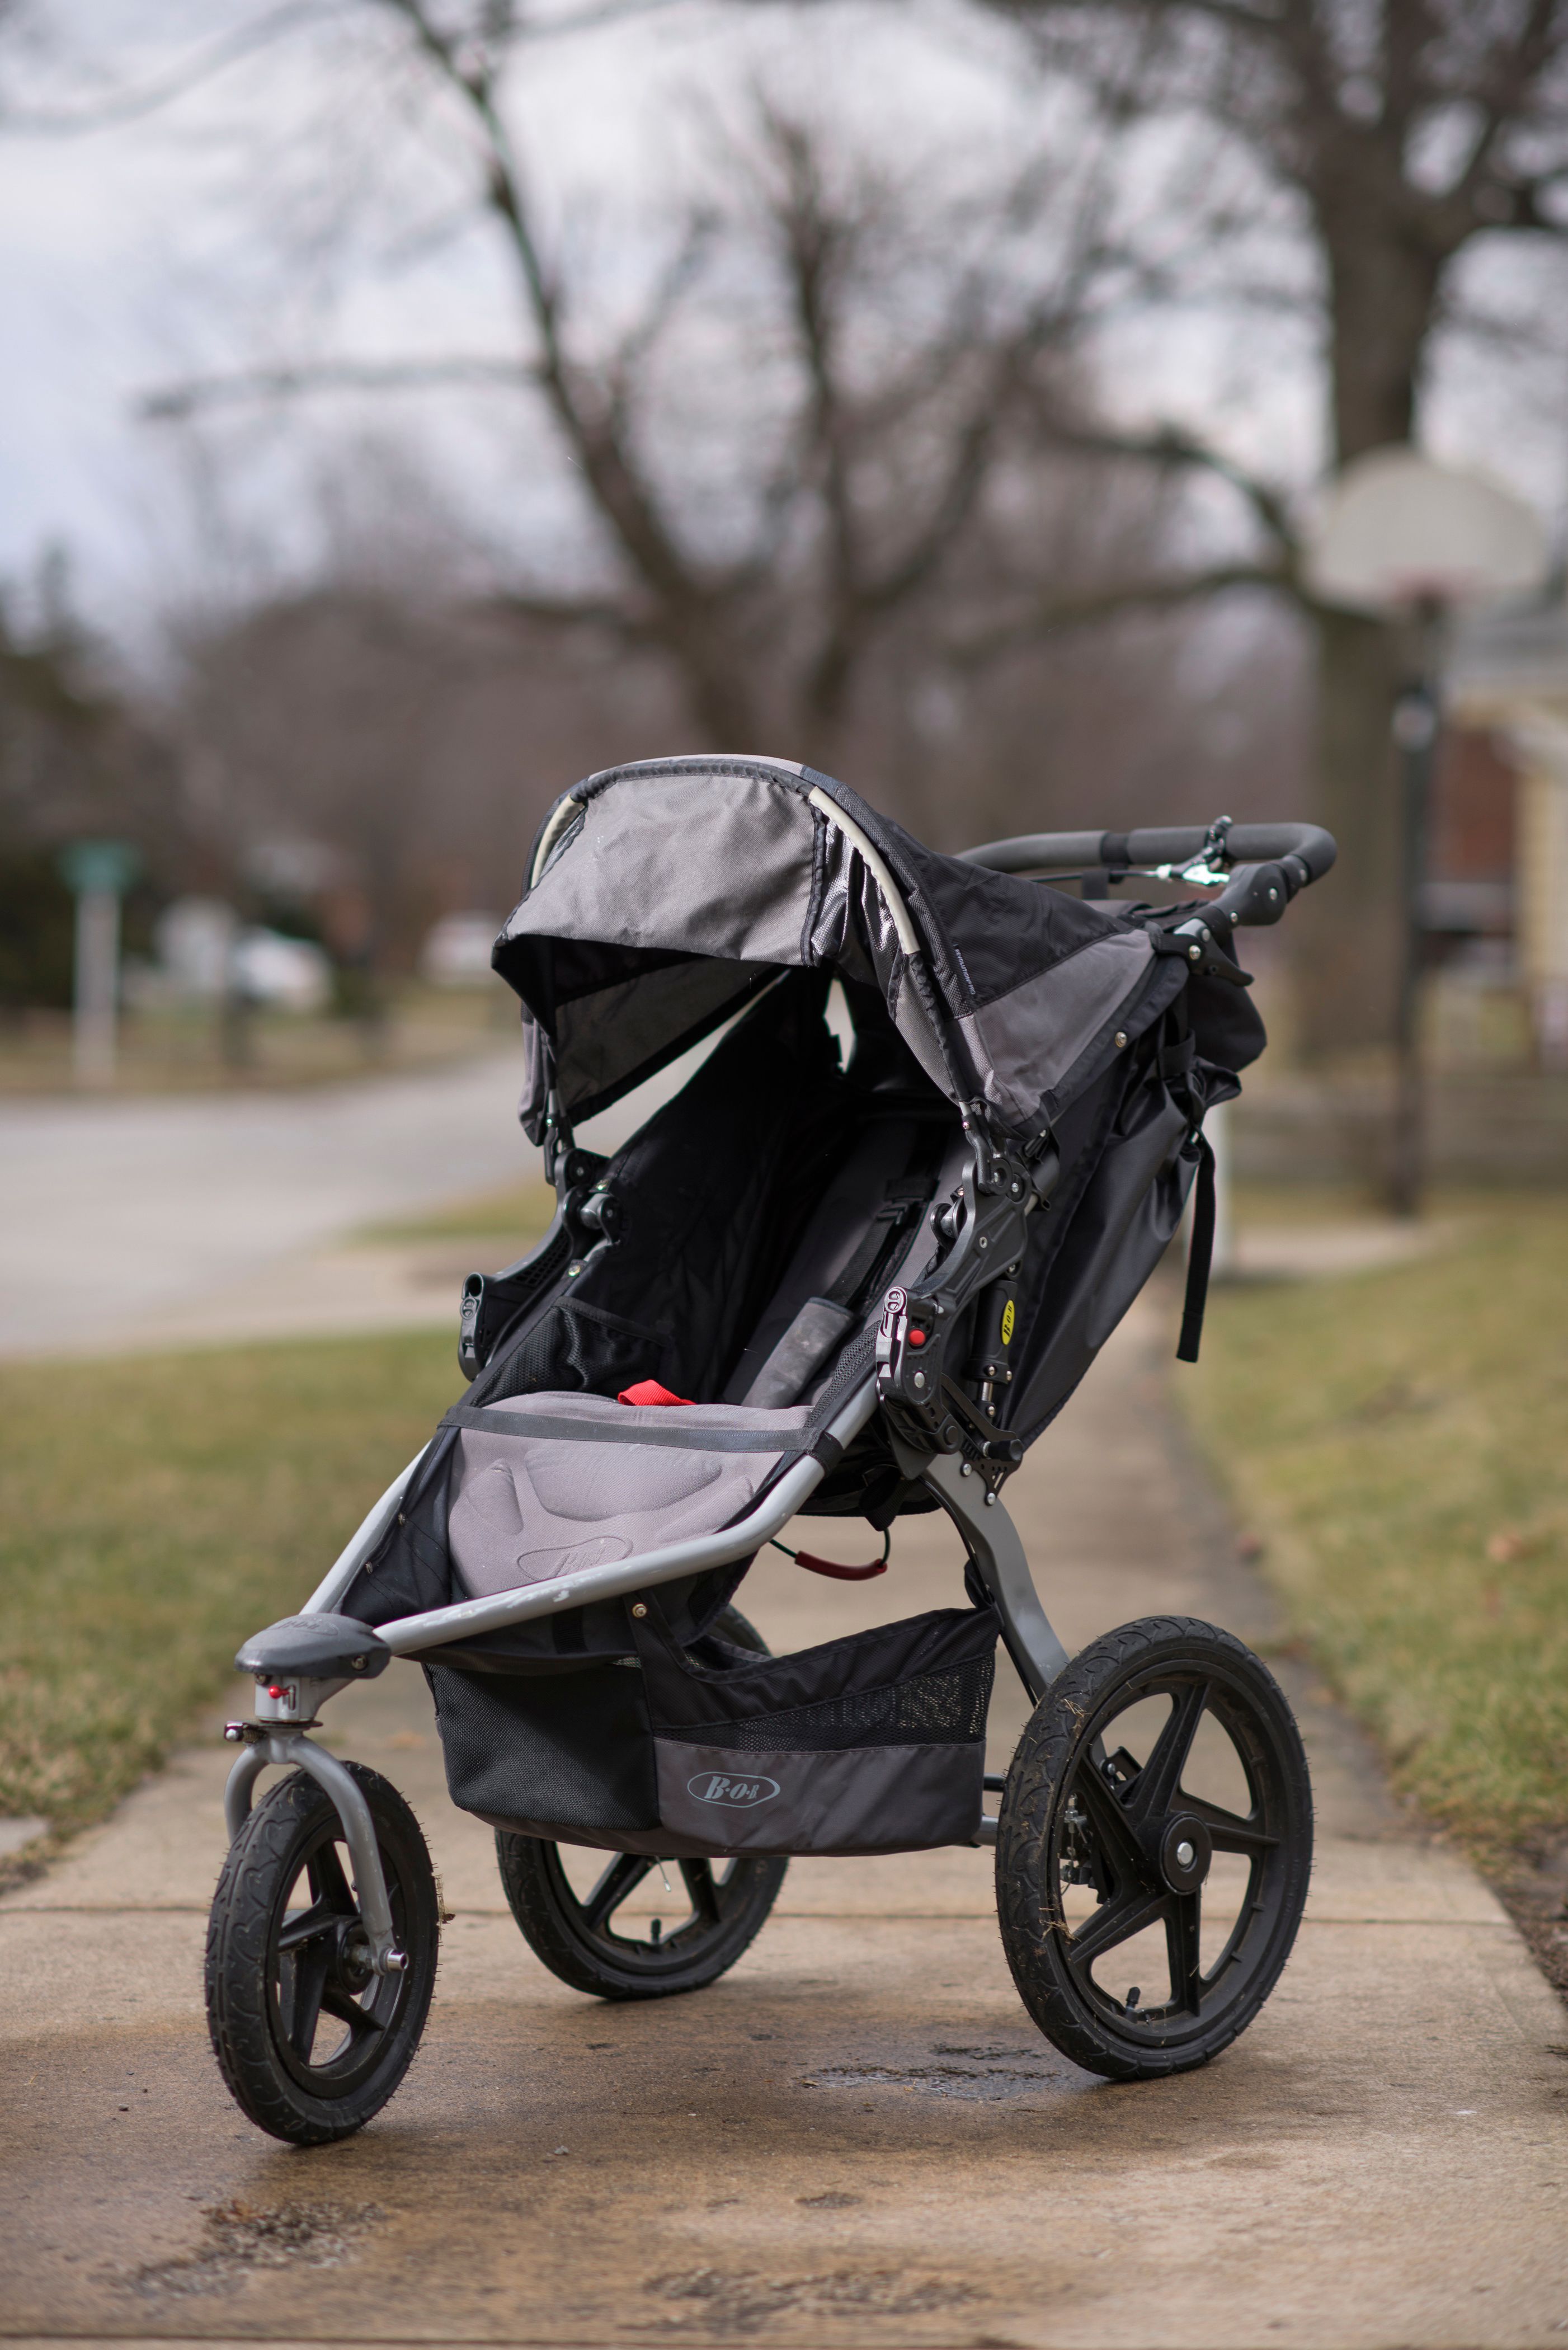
411, 406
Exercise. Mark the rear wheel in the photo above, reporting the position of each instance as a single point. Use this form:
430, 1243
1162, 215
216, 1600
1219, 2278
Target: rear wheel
1154, 1848
310, 2040
637, 1928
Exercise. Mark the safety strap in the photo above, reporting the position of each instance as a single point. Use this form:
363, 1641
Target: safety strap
1200, 1254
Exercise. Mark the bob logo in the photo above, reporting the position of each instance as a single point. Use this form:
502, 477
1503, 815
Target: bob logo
735, 1794
1008, 1319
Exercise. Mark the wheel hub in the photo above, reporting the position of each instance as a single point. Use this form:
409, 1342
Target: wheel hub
1186, 1849
354, 1964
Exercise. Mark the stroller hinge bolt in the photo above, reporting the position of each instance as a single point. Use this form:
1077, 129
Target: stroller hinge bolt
638, 1609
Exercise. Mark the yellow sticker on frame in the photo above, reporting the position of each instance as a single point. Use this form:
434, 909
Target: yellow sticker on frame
1007, 1322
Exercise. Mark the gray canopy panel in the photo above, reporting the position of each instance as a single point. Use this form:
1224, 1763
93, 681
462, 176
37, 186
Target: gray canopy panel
662, 895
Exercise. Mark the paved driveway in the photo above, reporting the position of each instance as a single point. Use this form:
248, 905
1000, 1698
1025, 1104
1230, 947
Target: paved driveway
116, 1216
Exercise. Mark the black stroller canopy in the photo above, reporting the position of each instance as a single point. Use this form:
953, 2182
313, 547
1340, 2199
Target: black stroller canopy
663, 894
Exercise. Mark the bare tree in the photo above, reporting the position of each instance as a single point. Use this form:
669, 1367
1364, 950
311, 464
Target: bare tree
840, 475
1402, 132
892, 350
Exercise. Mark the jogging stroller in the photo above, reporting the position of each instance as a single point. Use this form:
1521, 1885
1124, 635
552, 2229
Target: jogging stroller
850, 1284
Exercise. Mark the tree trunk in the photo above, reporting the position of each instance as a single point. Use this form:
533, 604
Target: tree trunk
1346, 933
1347, 936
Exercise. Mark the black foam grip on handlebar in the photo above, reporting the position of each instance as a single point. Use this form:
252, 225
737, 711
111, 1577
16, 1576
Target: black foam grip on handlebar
1246, 844
1255, 844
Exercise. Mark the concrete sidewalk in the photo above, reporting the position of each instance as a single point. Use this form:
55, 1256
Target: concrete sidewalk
858, 2136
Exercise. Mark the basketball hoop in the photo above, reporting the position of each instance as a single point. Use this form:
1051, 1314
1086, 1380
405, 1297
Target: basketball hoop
1399, 533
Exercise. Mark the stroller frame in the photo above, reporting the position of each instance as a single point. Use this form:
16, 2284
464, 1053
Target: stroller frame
968, 1492
935, 1431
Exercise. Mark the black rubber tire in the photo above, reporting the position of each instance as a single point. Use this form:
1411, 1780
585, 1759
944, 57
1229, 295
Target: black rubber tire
1066, 1806
729, 1909
294, 1829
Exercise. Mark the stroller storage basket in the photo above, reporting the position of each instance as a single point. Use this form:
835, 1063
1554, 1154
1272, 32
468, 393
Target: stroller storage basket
871, 1743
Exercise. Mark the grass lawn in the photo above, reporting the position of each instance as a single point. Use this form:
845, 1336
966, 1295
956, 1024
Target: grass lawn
1399, 1442
154, 1511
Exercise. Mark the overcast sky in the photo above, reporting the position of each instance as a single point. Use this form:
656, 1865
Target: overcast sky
190, 239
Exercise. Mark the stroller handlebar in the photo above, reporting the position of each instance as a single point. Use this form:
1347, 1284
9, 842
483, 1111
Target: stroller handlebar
1267, 863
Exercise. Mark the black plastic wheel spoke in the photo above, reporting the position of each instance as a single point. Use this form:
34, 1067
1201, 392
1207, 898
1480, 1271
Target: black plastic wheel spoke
1113, 1828
1154, 1790
304, 1924
1230, 1833
346, 2009
304, 1986
705, 1895
1116, 1922
1183, 1925
625, 1872
328, 1882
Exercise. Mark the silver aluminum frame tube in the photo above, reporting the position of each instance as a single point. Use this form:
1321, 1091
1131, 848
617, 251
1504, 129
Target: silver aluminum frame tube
411, 1634
322, 1600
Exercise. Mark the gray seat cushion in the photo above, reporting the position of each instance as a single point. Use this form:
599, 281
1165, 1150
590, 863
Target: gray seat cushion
547, 1485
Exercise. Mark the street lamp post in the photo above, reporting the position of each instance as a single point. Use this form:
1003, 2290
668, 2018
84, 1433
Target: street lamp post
1418, 733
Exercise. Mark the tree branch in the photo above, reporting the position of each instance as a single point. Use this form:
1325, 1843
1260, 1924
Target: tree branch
587, 414
565, 612
1171, 445
1058, 615
171, 403
129, 106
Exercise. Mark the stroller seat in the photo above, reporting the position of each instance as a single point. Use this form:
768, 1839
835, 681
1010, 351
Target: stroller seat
548, 1485
552, 1483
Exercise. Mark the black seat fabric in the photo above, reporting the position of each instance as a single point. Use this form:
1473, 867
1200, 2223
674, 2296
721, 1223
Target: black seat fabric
877, 1197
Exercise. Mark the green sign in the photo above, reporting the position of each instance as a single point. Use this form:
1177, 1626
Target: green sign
96, 867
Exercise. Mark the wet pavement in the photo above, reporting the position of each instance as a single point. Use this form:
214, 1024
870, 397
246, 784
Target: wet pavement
856, 2137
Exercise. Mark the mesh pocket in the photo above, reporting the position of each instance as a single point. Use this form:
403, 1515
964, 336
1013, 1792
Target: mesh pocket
945, 1708
873, 1744
572, 1748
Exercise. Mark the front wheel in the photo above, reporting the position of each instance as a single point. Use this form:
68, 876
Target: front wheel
1154, 1848
310, 2040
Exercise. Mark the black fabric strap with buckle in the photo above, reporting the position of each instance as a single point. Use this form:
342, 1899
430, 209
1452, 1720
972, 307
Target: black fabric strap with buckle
1200, 1254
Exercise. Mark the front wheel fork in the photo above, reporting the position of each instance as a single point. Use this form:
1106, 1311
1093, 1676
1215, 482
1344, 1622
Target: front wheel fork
291, 1750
